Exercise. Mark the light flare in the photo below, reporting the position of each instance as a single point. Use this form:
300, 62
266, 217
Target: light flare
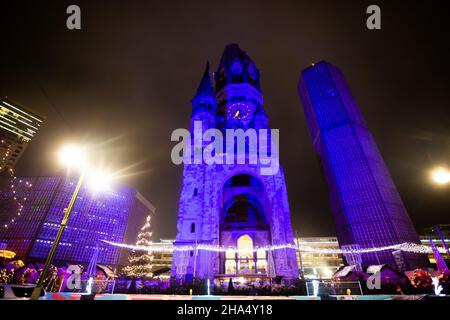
440, 175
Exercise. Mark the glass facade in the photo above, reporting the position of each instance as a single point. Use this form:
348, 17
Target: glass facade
317, 264
94, 218
366, 206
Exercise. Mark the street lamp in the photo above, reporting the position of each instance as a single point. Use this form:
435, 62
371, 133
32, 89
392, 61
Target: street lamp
440, 175
72, 157
99, 181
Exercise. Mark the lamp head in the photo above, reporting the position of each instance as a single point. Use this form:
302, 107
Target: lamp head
99, 180
72, 156
440, 175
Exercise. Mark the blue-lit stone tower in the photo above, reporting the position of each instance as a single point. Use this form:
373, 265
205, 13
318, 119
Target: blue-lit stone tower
232, 205
366, 205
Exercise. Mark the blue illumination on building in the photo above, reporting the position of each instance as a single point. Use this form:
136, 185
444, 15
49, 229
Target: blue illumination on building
367, 208
232, 205
94, 218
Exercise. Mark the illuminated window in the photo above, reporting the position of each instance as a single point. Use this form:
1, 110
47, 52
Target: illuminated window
261, 254
261, 262
230, 266
245, 260
261, 266
246, 263
245, 247
230, 254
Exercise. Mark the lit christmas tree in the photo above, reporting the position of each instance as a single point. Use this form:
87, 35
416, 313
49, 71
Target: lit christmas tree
140, 262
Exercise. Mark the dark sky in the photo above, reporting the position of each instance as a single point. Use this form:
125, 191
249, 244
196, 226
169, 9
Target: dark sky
128, 76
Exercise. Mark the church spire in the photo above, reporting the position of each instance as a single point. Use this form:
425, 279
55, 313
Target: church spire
236, 67
205, 87
204, 100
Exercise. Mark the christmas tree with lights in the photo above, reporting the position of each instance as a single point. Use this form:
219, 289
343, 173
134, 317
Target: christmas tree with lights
140, 262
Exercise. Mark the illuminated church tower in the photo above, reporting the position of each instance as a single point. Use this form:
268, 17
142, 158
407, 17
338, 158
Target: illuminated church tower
366, 205
232, 205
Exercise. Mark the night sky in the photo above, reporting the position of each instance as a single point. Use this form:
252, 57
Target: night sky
124, 83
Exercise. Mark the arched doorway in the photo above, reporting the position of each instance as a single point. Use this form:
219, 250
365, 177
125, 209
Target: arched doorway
246, 260
244, 227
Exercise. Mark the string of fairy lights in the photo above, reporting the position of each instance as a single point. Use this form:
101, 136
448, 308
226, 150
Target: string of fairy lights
16, 198
6, 154
407, 247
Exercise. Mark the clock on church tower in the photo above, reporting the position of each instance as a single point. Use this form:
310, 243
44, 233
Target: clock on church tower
239, 111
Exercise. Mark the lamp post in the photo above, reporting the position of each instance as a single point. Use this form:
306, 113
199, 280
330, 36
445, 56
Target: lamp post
302, 270
438, 231
70, 156
37, 290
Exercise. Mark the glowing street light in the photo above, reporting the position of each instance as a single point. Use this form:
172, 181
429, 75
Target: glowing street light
440, 175
72, 156
98, 181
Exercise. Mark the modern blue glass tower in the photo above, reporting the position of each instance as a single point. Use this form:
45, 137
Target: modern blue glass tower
366, 205
32, 208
